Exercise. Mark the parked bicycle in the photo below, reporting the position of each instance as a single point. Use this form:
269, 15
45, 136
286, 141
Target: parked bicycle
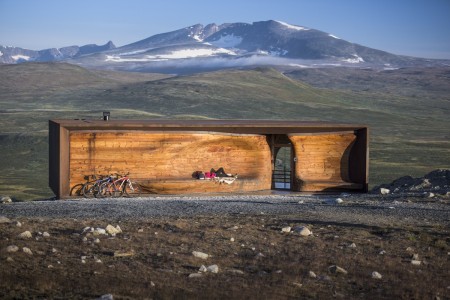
92, 188
122, 186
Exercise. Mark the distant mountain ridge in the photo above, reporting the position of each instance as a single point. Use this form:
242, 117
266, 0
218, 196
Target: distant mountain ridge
230, 45
11, 55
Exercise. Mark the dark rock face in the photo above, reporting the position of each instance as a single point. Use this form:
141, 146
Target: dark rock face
437, 181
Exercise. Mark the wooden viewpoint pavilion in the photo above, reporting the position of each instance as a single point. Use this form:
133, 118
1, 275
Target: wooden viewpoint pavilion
163, 154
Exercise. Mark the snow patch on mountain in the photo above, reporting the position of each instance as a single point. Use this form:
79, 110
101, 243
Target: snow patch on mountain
20, 57
333, 36
227, 41
180, 54
294, 27
355, 60
1, 53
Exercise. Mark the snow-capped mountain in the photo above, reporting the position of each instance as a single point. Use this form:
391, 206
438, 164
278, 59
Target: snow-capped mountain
201, 48
11, 55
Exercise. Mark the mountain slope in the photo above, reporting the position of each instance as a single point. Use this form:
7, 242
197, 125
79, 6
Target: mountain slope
200, 48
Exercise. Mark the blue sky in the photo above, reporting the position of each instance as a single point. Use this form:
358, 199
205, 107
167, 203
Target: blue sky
410, 27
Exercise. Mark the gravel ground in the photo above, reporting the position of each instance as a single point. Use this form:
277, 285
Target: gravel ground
361, 209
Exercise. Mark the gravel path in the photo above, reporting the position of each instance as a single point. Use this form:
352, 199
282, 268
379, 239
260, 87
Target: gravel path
355, 209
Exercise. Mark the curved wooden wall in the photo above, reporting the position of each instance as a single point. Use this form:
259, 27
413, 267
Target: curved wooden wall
164, 162
323, 161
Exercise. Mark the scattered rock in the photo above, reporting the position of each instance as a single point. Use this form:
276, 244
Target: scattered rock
99, 231
45, 234
96, 240
384, 191
339, 201
312, 274
213, 269
303, 230
140, 229
6, 199
27, 251
12, 248
376, 275
352, 245
119, 253
25, 235
199, 254
232, 239
106, 297
236, 271
416, 262
415, 256
286, 229
84, 239
18, 224
4, 220
113, 230
152, 284
54, 250
9, 259
203, 269
297, 284
382, 252
430, 195
195, 275
337, 270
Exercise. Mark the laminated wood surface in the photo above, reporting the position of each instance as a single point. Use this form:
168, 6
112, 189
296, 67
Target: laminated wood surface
164, 162
323, 161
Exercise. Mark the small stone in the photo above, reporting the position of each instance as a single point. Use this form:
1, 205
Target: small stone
236, 271
50, 266
232, 239
152, 284
352, 245
213, 269
286, 229
199, 254
45, 234
336, 269
376, 275
303, 231
301, 202
140, 229
339, 201
195, 275
382, 252
415, 256
203, 269
54, 250
12, 248
27, 251
297, 284
6, 199
106, 297
416, 262
99, 231
18, 224
409, 249
113, 230
84, 239
384, 191
4, 220
83, 261
9, 259
25, 235
97, 260
430, 195
312, 274
96, 240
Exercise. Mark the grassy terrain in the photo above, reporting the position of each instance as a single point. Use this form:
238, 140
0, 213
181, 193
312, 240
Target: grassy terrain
407, 111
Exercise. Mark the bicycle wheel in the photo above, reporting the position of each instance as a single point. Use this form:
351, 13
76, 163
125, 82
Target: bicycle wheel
132, 189
77, 190
105, 190
88, 190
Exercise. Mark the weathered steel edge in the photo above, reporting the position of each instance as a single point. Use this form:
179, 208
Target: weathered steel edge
256, 126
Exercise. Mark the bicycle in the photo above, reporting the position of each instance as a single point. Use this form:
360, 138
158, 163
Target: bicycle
92, 188
119, 187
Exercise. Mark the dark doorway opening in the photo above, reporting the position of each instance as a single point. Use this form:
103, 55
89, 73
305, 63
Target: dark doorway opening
283, 162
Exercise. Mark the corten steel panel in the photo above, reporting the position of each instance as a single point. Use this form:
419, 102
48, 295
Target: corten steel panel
60, 130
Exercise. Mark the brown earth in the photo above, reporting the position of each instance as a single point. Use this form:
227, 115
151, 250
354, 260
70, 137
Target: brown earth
152, 259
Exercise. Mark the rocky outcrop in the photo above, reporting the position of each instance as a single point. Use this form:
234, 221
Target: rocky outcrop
435, 182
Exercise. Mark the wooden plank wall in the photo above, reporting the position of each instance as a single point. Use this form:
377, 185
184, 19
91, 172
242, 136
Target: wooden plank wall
323, 161
164, 162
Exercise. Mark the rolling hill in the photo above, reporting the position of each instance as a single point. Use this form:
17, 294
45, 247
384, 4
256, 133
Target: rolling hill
409, 127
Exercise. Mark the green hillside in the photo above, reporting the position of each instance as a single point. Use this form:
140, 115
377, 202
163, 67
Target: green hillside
409, 134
